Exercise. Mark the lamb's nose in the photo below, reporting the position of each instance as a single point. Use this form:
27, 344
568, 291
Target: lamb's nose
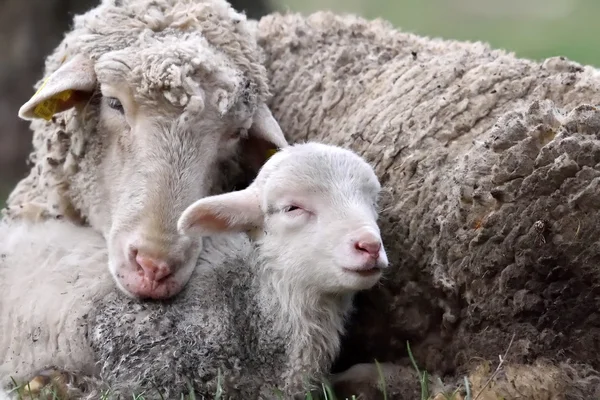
370, 245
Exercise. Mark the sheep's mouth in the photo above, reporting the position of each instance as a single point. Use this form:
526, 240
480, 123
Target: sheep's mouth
142, 288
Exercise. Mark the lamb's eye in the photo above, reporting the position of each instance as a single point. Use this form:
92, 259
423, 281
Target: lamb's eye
291, 208
115, 104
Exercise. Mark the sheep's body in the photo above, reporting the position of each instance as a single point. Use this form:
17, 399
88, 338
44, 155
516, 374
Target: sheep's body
473, 162
454, 132
51, 273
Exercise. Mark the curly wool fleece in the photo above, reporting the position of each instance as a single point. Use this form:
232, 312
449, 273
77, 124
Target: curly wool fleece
163, 48
420, 110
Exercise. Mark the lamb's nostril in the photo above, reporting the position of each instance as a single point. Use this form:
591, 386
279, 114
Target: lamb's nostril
153, 269
370, 247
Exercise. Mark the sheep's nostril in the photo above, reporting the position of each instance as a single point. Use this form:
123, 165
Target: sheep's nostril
132, 253
153, 269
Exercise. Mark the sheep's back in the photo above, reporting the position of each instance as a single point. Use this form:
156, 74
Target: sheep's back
469, 266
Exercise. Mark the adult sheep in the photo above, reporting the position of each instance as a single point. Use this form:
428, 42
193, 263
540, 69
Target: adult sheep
492, 162
147, 106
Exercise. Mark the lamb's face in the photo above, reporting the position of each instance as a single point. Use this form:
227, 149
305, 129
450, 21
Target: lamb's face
164, 118
320, 207
312, 209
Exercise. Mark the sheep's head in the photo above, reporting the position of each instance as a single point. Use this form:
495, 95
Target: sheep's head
312, 210
159, 109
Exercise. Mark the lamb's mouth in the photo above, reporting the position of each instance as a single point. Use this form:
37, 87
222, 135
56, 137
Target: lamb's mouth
364, 272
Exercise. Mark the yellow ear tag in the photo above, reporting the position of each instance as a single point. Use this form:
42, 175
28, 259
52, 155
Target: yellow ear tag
47, 108
270, 153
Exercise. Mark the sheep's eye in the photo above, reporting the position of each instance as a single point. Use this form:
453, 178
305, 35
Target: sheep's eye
115, 104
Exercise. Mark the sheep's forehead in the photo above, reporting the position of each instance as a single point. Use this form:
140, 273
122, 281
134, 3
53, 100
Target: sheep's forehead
175, 70
173, 48
324, 171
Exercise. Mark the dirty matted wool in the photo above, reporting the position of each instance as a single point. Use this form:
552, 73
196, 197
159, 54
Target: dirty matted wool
492, 166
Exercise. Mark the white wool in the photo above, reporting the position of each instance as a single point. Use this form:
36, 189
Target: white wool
51, 274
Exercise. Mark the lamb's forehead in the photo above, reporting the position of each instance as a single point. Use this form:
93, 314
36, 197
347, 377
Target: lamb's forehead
320, 168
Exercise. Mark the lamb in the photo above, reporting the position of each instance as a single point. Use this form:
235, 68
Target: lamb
491, 162
268, 309
266, 304
147, 106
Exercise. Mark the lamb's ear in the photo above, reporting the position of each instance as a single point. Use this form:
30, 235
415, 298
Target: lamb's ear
264, 138
71, 83
229, 212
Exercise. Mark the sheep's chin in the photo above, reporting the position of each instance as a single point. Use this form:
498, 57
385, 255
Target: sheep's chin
137, 286
133, 284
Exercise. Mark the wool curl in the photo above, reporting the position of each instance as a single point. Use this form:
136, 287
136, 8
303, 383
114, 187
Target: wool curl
160, 44
490, 161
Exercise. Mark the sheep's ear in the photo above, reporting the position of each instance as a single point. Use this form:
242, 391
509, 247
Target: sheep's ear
229, 212
68, 85
264, 138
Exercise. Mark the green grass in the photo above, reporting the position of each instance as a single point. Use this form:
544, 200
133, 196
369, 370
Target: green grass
326, 390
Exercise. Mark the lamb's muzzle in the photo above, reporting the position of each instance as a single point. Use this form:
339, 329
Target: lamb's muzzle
369, 253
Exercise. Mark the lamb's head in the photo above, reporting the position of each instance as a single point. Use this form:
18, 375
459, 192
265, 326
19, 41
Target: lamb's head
312, 210
155, 98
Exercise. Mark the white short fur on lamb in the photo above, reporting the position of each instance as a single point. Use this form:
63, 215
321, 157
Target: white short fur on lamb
146, 106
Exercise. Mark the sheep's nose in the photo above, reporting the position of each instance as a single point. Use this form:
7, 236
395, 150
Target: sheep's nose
369, 244
153, 268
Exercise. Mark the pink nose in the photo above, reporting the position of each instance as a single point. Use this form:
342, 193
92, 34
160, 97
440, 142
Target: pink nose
370, 245
153, 269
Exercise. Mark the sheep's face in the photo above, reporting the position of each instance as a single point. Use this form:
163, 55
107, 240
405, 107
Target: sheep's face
161, 132
314, 210
157, 164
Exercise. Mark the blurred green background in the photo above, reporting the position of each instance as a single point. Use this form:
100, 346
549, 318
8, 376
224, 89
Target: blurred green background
536, 29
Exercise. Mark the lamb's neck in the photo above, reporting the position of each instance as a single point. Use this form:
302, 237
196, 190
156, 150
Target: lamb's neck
309, 322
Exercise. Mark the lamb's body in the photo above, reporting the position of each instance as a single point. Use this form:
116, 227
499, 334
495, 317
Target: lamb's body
227, 318
467, 185
51, 274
